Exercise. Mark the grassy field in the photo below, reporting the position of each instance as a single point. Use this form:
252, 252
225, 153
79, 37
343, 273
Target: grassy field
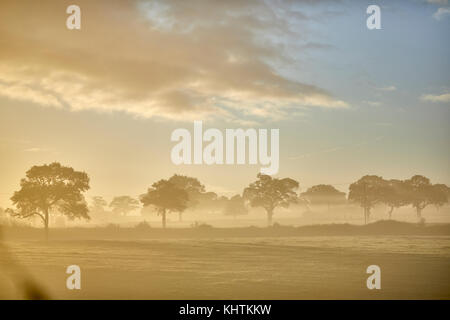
414, 266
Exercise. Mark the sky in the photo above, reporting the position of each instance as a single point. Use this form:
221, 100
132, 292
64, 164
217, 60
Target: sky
348, 101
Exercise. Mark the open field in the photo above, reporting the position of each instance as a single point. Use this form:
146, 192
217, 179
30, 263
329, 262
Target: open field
236, 267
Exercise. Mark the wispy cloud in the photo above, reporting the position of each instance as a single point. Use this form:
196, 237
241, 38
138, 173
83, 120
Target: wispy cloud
388, 88
443, 98
373, 103
441, 13
178, 64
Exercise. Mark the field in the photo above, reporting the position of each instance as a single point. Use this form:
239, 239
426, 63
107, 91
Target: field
235, 267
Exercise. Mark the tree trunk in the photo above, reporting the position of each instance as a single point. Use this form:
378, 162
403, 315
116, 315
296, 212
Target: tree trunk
269, 217
46, 224
365, 215
163, 214
390, 213
179, 217
419, 212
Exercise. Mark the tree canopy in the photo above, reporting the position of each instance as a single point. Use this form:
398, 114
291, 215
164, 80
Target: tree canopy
51, 188
193, 188
235, 206
124, 205
422, 193
395, 194
367, 191
270, 193
417, 191
324, 194
166, 197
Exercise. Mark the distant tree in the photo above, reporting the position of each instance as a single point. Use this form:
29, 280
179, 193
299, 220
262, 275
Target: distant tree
323, 194
98, 204
422, 193
2, 215
147, 211
124, 205
444, 189
166, 197
235, 207
395, 195
367, 191
208, 201
51, 188
270, 193
97, 208
192, 186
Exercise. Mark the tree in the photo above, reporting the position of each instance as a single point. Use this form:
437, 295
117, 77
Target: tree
441, 200
270, 193
97, 208
166, 197
235, 206
49, 189
124, 205
98, 204
422, 193
207, 201
395, 195
2, 215
367, 191
324, 194
192, 186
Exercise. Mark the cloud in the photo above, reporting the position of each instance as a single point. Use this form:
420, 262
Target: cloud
441, 13
444, 98
373, 103
388, 88
170, 59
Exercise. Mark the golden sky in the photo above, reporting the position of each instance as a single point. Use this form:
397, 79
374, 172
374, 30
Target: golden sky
105, 98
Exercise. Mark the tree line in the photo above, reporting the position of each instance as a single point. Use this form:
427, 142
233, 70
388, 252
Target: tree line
56, 189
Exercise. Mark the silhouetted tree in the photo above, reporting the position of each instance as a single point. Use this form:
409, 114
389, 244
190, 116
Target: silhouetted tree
51, 188
444, 189
166, 197
395, 195
124, 205
235, 206
192, 186
2, 215
367, 191
98, 204
208, 201
270, 193
323, 194
97, 208
422, 193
